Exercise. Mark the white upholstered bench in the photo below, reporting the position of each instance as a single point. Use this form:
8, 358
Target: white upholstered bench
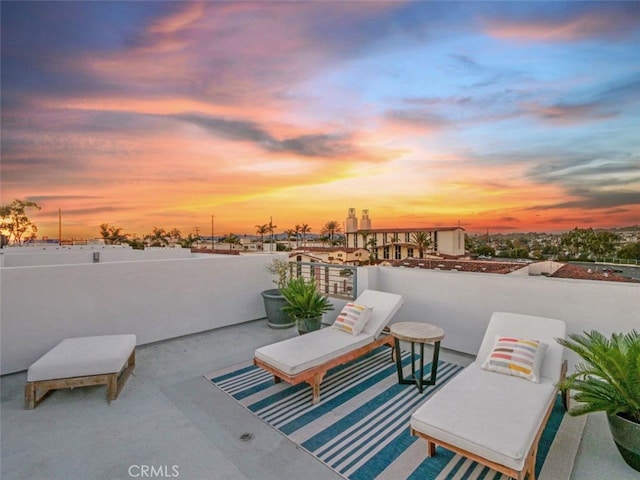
81, 362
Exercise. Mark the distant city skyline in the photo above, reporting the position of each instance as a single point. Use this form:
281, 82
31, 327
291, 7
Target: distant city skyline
499, 116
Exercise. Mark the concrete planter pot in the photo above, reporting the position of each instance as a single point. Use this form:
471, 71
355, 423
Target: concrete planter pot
306, 325
273, 303
626, 435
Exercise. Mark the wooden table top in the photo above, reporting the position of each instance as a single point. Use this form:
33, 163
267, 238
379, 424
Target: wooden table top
416, 332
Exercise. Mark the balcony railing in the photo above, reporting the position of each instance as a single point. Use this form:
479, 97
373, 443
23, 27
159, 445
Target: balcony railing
337, 281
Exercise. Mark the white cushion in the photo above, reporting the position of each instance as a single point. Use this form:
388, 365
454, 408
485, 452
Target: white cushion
352, 318
518, 357
493, 416
298, 354
384, 305
528, 326
80, 357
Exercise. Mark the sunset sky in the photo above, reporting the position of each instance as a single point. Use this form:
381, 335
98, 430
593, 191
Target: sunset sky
507, 116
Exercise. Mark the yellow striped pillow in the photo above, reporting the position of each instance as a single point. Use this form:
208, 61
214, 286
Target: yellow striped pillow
353, 318
516, 356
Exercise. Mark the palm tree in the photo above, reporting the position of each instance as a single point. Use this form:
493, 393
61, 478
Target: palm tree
231, 239
189, 241
331, 229
112, 235
422, 241
365, 235
104, 232
297, 231
290, 234
175, 235
373, 243
272, 228
304, 229
262, 230
158, 238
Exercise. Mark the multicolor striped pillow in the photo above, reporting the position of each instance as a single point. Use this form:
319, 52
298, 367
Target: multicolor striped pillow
353, 318
517, 357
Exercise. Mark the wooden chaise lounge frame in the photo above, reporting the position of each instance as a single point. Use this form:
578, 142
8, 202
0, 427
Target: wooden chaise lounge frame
314, 375
528, 468
530, 463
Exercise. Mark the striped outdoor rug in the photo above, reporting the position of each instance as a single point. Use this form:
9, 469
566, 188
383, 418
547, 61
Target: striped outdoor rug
360, 427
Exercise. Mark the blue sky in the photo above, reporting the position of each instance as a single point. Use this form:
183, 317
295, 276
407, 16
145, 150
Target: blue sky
508, 116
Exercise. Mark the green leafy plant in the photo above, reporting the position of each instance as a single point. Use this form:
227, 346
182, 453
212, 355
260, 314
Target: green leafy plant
304, 300
279, 268
609, 378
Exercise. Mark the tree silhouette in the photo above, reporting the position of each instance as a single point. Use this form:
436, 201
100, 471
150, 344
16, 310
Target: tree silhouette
330, 230
422, 241
262, 230
15, 222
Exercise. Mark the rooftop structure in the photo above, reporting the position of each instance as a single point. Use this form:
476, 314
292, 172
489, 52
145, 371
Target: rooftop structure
196, 315
399, 242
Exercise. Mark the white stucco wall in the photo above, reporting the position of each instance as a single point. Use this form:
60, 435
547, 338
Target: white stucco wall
161, 299
462, 302
72, 255
451, 242
154, 299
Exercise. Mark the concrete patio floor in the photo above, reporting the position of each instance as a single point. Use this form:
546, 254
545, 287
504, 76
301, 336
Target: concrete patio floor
171, 418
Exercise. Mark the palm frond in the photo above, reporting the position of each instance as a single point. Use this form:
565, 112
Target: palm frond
609, 378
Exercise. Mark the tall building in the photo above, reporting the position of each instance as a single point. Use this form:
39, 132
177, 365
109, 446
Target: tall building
396, 243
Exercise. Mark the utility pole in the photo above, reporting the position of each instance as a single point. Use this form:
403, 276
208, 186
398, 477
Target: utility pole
59, 226
212, 217
197, 229
271, 227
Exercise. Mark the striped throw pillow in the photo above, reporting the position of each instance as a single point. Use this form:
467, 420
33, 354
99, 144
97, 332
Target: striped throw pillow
353, 318
516, 356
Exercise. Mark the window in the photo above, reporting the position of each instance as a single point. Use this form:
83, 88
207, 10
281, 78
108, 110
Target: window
385, 252
410, 252
398, 254
407, 237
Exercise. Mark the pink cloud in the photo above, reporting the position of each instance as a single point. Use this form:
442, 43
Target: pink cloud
599, 24
567, 114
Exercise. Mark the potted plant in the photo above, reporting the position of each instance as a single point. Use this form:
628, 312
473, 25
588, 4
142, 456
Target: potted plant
273, 299
305, 304
609, 381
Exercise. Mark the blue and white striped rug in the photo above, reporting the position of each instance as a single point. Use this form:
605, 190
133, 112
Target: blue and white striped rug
360, 427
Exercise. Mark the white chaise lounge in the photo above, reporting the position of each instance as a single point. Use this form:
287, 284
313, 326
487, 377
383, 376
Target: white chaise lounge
81, 362
494, 418
307, 358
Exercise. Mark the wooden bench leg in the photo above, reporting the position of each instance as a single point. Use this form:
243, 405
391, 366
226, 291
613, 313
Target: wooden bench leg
116, 384
315, 386
431, 449
30, 396
112, 387
31, 399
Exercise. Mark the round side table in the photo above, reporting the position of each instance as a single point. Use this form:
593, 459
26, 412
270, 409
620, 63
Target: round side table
420, 333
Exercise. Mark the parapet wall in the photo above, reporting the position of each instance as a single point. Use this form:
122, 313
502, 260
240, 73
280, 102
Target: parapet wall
462, 303
154, 299
74, 255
